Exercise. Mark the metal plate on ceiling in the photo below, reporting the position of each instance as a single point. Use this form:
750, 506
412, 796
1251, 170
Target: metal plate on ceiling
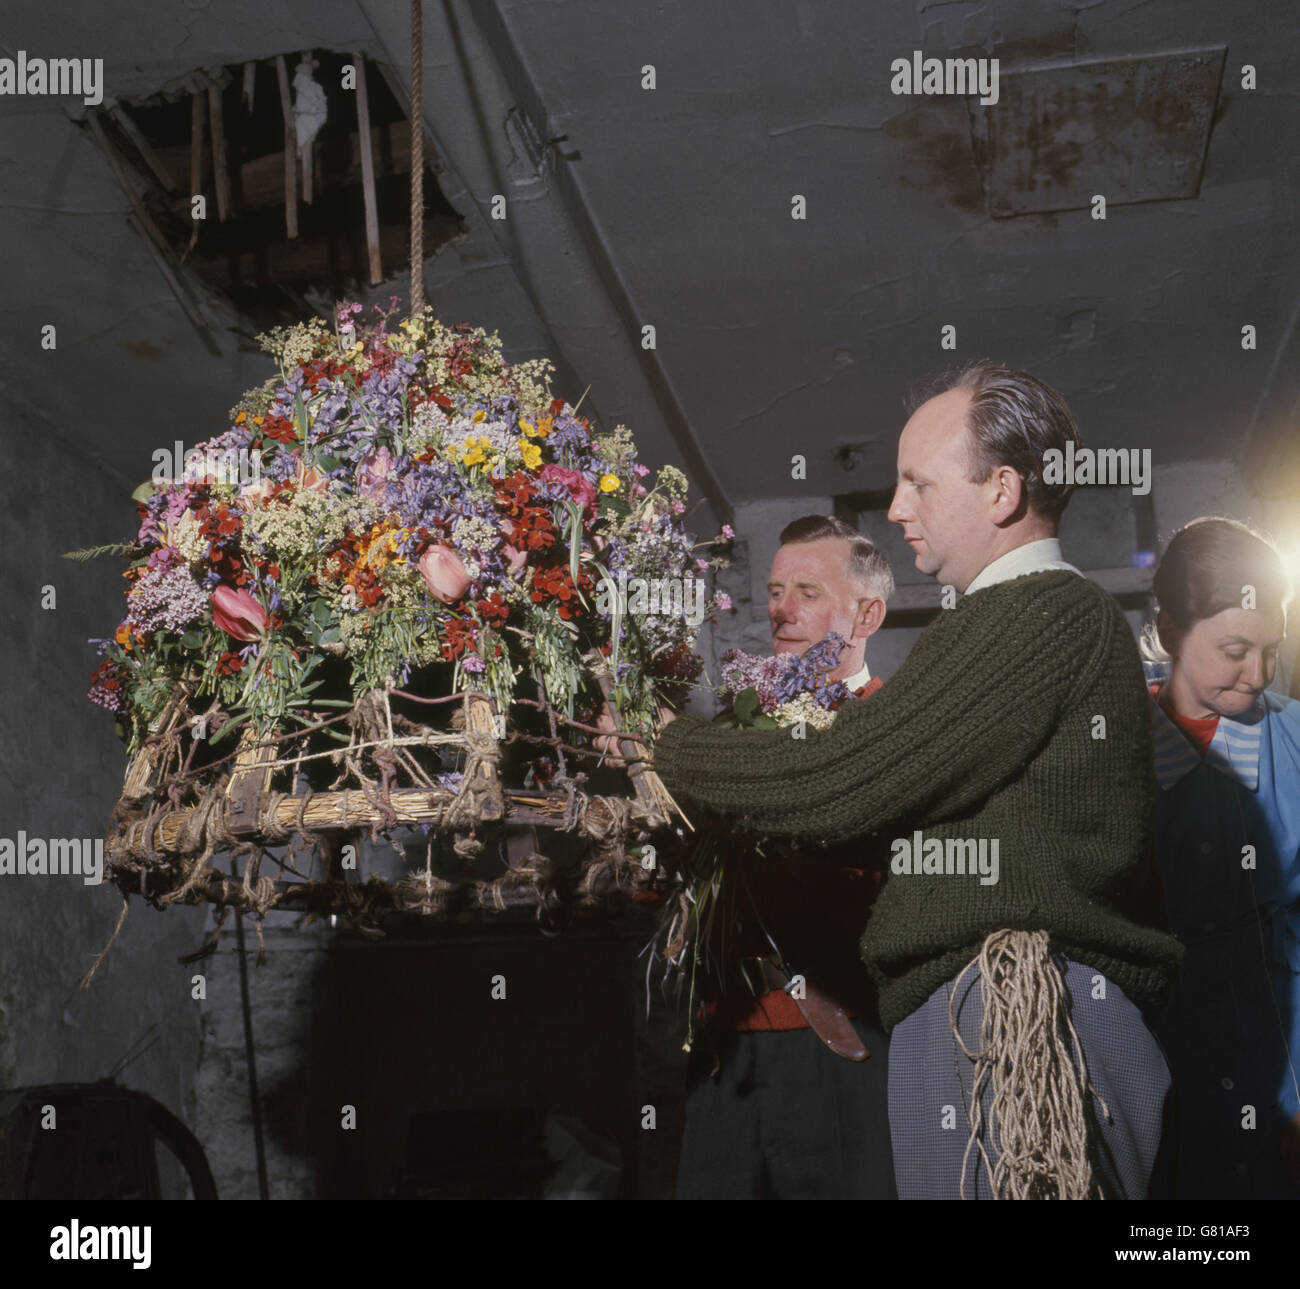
1129, 129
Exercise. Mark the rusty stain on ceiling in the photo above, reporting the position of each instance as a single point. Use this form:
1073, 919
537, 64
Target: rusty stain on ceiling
1130, 129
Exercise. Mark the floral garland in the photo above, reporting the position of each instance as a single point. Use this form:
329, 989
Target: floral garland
416, 507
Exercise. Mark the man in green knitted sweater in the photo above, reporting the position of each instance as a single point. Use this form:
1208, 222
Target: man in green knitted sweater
1008, 765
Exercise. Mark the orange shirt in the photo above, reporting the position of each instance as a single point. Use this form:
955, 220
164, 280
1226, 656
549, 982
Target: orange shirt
1198, 730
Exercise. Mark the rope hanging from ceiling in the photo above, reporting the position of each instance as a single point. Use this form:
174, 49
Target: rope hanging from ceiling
417, 157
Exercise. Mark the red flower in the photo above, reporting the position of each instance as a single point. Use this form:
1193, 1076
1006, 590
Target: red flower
458, 636
494, 610
228, 664
517, 487
228, 567
434, 395
529, 528
108, 675
219, 522
281, 429
556, 584
237, 613
328, 369
370, 590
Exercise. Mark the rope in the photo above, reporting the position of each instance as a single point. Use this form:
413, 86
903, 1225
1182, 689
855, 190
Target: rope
417, 158
1032, 1061
205, 827
103, 953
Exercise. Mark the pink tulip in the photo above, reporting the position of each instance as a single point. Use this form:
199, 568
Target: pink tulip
237, 613
311, 480
373, 475
444, 574
515, 559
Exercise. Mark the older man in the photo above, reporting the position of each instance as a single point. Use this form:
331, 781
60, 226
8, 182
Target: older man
788, 1092
1008, 765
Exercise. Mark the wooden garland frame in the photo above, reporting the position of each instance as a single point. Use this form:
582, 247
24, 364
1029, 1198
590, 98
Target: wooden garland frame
161, 849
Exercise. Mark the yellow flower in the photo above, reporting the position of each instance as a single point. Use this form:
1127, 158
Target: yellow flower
241, 418
257, 420
527, 426
532, 454
480, 415
544, 426
609, 483
474, 450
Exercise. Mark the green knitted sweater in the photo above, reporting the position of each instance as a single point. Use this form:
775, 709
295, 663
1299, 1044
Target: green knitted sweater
989, 730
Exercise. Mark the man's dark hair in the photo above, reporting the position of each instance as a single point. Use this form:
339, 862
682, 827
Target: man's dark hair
1013, 419
866, 564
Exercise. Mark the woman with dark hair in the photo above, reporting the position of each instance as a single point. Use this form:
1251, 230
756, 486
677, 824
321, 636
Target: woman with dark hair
1227, 754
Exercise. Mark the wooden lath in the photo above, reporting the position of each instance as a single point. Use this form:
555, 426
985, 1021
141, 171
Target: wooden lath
249, 781
141, 773
290, 149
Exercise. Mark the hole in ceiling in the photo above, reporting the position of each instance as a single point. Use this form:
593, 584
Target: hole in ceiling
274, 245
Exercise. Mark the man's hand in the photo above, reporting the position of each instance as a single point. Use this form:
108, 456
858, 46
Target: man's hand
608, 745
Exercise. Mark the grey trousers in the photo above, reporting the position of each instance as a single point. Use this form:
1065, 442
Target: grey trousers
930, 1087
787, 1119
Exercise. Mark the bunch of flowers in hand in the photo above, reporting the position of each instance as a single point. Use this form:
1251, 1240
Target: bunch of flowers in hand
784, 689
419, 511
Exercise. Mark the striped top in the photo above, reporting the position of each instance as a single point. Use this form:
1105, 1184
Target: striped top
1234, 749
